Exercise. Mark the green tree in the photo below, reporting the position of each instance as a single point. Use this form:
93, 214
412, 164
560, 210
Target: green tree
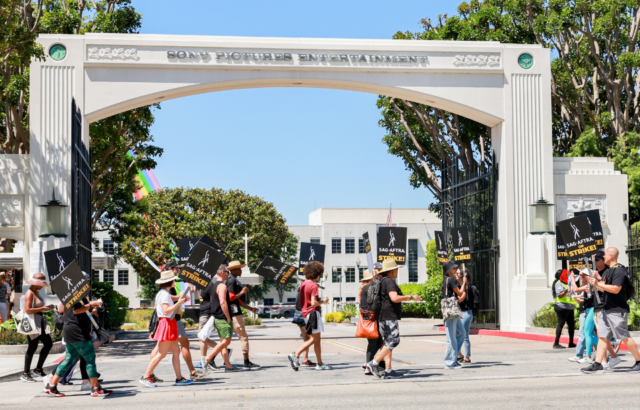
225, 216
289, 256
434, 268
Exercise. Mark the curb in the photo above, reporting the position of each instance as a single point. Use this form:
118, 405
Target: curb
22, 349
255, 327
16, 376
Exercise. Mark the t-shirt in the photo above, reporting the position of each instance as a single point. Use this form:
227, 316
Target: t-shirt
234, 306
599, 306
5, 289
363, 302
174, 292
76, 328
449, 285
308, 289
467, 303
216, 307
205, 304
617, 303
390, 310
161, 298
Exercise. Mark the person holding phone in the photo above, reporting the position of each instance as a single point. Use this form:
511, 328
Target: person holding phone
34, 305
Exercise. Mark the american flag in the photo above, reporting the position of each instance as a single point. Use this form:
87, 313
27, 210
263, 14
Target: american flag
389, 217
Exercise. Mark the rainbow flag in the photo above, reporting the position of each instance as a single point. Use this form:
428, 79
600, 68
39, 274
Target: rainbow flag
180, 287
146, 180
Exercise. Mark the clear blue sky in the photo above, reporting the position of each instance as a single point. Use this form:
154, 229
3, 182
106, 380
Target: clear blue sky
330, 140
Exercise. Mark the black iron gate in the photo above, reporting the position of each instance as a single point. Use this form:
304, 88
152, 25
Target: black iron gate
80, 192
633, 252
468, 199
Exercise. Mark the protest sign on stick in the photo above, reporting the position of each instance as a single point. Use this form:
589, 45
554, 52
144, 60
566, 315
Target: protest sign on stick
277, 271
441, 247
70, 285
57, 260
202, 265
461, 247
392, 244
367, 251
310, 252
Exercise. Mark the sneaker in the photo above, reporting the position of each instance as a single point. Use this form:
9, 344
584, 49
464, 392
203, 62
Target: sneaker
460, 359
575, 359
294, 361
323, 367
309, 363
38, 373
183, 382
571, 346
197, 374
230, 353
231, 369
616, 346
558, 346
367, 372
614, 361
605, 366
211, 366
26, 377
86, 387
595, 368
391, 374
154, 379
100, 392
52, 391
450, 368
249, 365
47, 379
374, 368
458, 366
148, 382
635, 368
586, 360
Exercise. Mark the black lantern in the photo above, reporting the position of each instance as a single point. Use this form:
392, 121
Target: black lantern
53, 217
543, 217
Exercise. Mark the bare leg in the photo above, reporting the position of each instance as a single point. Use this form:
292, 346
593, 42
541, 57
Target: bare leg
305, 337
305, 346
317, 347
633, 348
163, 348
219, 348
601, 352
186, 353
175, 360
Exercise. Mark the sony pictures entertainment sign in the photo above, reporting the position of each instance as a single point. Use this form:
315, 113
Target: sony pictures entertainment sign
71, 285
202, 265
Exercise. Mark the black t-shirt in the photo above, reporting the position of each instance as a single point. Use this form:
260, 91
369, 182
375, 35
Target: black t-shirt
467, 303
363, 301
205, 304
77, 328
617, 302
216, 309
449, 285
234, 306
389, 309
174, 292
599, 306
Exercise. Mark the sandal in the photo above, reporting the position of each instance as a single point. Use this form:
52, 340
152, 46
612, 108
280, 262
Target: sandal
467, 360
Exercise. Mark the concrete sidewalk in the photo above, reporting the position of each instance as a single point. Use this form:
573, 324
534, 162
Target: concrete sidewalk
12, 365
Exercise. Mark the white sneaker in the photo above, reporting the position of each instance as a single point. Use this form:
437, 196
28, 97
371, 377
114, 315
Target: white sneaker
575, 359
86, 386
614, 361
586, 360
46, 380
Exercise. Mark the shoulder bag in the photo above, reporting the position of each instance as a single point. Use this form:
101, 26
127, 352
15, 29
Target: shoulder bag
450, 308
26, 323
367, 325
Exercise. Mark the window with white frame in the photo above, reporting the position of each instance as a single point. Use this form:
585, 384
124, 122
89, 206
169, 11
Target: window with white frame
361, 246
350, 245
108, 246
336, 276
350, 275
336, 245
123, 277
314, 241
107, 276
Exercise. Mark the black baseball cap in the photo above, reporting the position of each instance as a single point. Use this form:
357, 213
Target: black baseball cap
599, 255
172, 264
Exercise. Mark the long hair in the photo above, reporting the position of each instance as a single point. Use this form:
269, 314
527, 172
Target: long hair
362, 285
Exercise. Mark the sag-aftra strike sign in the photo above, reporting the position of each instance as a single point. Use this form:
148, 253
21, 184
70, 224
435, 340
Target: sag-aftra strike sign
202, 265
71, 285
392, 243
277, 271
596, 225
441, 246
310, 252
460, 240
577, 237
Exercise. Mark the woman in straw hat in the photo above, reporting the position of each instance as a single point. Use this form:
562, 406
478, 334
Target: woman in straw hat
166, 333
390, 315
373, 344
34, 305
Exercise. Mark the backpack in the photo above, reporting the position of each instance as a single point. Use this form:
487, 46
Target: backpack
476, 298
58, 321
374, 295
629, 287
298, 302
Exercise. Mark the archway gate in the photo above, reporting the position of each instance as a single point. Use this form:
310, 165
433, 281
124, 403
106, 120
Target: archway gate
504, 86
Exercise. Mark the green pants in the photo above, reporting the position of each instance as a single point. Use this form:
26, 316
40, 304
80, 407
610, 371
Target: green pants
73, 352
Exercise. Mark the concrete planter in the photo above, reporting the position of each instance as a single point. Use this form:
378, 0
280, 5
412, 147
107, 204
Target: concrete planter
22, 349
339, 324
256, 327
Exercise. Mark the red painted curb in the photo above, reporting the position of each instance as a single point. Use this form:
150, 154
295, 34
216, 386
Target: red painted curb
524, 336
58, 360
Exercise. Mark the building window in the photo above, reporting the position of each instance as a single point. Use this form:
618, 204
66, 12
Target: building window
350, 299
107, 276
315, 240
123, 277
337, 300
108, 247
350, 275
291, 300
349, 245
413, 260
268, 301
336, 277
361, 245
361, 273
95, 275
336, 245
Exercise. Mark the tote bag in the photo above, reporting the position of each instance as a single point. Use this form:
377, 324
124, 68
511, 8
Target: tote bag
450, 307
26, 324
367, 325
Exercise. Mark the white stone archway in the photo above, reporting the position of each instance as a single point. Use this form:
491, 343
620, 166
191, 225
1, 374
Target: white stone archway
110, 73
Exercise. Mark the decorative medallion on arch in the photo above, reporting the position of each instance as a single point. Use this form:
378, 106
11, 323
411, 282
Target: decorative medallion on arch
11, 211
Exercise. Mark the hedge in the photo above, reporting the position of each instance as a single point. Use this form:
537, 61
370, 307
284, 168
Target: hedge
112, 300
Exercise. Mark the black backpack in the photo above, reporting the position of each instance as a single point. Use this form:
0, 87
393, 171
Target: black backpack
476, 298
374, 295
58, 321
298, 302
629, 287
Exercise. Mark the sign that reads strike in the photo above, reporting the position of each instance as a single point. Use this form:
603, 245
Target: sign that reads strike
277, 271
596, 225
310, 252
560, 248
70, 285
57, 260
202, 265
392, 244
578, 237
441, 246
461, 248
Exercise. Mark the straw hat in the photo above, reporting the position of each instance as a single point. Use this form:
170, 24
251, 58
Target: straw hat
388, 265
235, 265
38, 279
366, 275
166, 276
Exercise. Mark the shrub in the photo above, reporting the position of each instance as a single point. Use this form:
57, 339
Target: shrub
11, 337
431, 293
113, 318
346, 321
335, 317
249, 321
349, 311
546, 317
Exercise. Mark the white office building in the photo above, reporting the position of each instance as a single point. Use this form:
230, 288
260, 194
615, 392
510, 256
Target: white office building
341, 229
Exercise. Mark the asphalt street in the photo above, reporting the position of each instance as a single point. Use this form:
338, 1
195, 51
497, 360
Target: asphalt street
505, 373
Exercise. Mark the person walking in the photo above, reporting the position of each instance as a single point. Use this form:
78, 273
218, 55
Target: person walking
166, 333
77, 336
613, 320
390, 315
34, 305
587, 338
205, 314
373, 345
298, 320
454, 327
310, 303
564, 307
466, 306
5, 294
236, 292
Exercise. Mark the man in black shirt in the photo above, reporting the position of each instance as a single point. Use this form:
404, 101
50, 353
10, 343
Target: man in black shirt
236, 292
613, 320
